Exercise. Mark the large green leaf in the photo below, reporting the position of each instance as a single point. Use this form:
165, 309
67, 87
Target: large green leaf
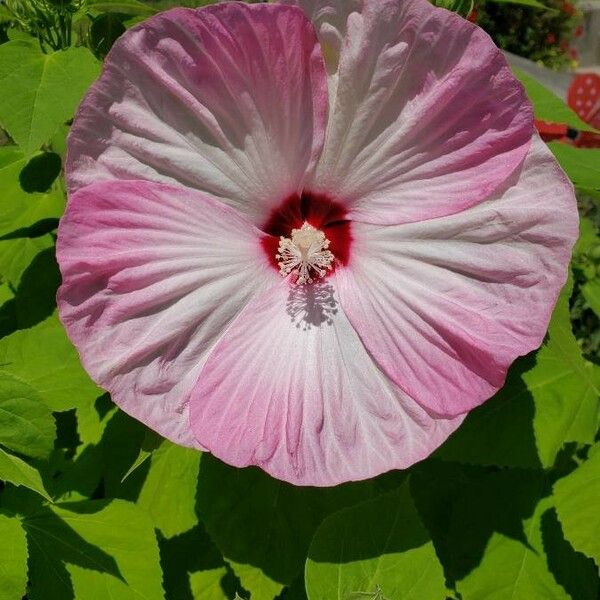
17, 254
129, 7
169, 489
549, 399
13, 559
46, 359
41, 91
262, 526
591, 293
194, 569
547, 106
530, 3
26, 423
151, 442
97, 549
20, 209
377, 545
577, 499
19, 473
581, 164
507, 543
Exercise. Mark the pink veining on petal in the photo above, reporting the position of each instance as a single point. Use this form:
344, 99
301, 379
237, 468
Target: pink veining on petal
207, 137
290, 388
445, 306
152, 276
230, 99
426, 118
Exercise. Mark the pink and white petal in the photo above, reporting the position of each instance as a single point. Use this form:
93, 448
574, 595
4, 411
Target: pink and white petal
329, 18
152, 276
446, 305
426, 118
230, 99
290, 388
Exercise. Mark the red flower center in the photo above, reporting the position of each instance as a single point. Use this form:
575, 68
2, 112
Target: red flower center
320, 211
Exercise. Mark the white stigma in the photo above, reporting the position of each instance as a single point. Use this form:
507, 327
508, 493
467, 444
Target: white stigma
305, 253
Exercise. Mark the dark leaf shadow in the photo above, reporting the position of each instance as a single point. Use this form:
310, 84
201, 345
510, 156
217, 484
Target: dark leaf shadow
97, 472
260, 521
576, 573
35, 296
191, 552
463, 508
40, 172
500, 431
52, 543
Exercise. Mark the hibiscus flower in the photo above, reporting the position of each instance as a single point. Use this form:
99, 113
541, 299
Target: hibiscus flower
309, 236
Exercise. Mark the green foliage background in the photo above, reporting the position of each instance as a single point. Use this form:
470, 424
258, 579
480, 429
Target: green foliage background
94, 506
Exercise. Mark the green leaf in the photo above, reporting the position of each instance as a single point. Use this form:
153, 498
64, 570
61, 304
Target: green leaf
17, 254
377, 545
128, 7
151, 442
41, 91
588, 237
582, 165
93, 549
206, 585
194, 569
462, 7
531, 3
576, 497
169, 490
549, 399
591, 293
19, 473
262, 526
507, 544
20, 209
45, 358
104, 32
26, 423
547, 106
13, 559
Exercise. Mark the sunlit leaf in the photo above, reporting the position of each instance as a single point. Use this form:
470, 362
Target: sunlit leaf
103, 549
129, 7
577, 497
44, 358
582, 165
17, 254
507, 543
550, 398
151, 442
591, 293
20, 209
547, 106
378, 550
13, 559
41, 91
26, 423
168, 493
530, 3
262, 526
19, 473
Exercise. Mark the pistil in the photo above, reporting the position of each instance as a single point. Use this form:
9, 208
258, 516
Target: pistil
305, 254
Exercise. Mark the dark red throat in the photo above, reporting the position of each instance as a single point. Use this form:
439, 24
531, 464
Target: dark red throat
320, 211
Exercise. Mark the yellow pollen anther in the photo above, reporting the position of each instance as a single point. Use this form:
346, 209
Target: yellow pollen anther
305, 253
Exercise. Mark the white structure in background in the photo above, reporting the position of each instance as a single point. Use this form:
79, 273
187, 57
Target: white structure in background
588, 44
